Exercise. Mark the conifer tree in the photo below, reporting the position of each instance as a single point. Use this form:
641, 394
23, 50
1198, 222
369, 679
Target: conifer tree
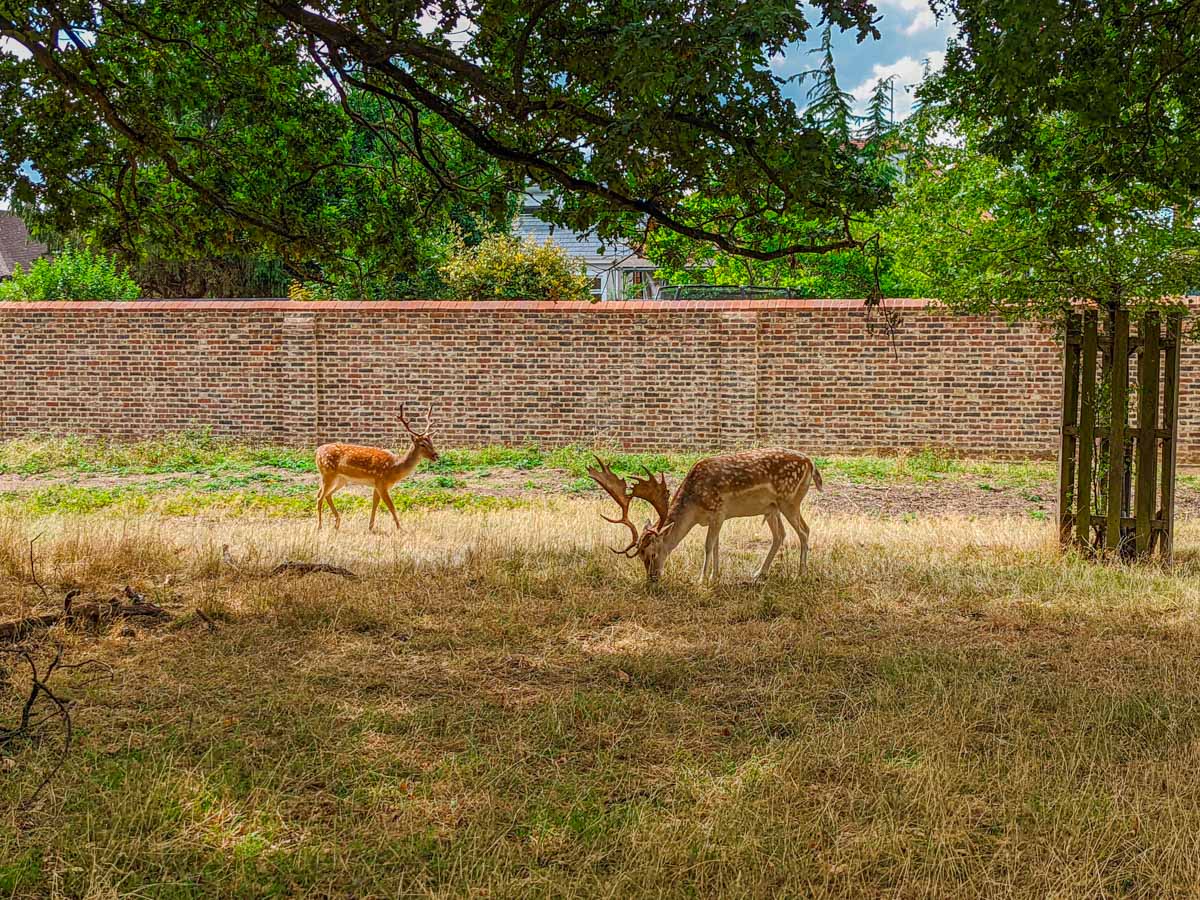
829, 107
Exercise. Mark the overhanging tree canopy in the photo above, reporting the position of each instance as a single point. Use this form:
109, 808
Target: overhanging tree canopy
1032, 241
1124, 75
623, 110
1077, 179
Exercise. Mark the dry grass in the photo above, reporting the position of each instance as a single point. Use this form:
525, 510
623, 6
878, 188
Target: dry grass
939, 707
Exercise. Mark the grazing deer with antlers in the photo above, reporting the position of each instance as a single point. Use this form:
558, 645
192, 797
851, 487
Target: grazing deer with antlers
768, 483
342, 464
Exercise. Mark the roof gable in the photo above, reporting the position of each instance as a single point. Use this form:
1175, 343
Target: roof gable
16, 246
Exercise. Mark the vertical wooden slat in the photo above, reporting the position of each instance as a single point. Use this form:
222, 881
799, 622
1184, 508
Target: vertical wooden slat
1067, 433
1170, 424
1127, 491
1147, 437
1087, 432
1100, 537
1119, 402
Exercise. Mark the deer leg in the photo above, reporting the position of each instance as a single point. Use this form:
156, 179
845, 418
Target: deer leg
337, 517
387, 498
328, 489
712, 549
801, 528
374, 506
777, 535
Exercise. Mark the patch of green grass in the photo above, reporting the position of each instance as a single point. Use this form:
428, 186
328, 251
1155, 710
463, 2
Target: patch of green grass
269, 480
284, 458
930, 464
200, 452
1011, 475
65, 498
858, 469
455, 460
575, 460
580, 486
188, 451
446, 481
291, 500
21, 873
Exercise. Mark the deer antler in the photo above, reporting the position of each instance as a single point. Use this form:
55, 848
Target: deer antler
619, 491
404, 421
409, 428
654, 490
429, 419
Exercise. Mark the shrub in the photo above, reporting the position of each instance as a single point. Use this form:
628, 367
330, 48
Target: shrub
423, 284
503, 267
305, 291
74, 274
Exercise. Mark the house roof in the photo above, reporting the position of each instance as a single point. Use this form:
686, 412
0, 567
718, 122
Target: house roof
16, 246
587, 247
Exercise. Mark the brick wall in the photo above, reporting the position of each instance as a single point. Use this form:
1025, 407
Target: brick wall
702, 375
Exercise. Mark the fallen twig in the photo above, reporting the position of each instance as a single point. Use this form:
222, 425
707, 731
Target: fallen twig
292, 567
33, 569
28, 727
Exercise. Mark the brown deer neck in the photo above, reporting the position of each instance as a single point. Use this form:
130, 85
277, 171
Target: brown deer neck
681, 521
408, 463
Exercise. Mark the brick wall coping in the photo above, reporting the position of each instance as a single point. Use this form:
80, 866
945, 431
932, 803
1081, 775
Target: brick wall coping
69, 307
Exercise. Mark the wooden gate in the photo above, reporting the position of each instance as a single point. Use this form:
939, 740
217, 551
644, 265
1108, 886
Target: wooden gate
1116, 476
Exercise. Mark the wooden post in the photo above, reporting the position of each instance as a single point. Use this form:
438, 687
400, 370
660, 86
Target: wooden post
1087, 433
1147, 434
1171, 427
1119, 401
1069, 428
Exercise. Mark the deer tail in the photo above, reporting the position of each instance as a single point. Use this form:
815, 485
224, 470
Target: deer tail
817, 478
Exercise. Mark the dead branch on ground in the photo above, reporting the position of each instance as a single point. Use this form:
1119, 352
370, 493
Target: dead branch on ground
292, 567
98, 613
34, 716
92, 613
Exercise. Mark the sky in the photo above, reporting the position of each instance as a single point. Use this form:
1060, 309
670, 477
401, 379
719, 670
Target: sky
909, 34
10, 46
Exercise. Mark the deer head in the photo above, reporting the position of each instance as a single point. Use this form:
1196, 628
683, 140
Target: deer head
422, 446
648, 545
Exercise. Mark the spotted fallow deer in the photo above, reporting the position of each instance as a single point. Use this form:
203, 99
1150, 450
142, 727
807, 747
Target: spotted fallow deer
768, 483
342, 464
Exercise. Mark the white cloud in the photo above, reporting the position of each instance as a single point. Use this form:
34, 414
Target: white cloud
430, 22
922, 17
908, 71
11, 47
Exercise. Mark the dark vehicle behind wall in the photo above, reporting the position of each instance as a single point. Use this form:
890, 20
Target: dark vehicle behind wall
725, 292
